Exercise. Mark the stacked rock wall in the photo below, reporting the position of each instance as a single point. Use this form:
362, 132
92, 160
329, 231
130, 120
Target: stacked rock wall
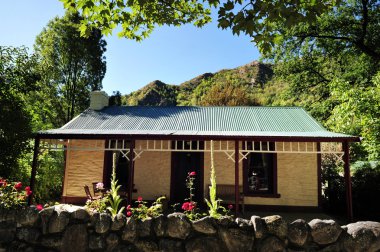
72, 228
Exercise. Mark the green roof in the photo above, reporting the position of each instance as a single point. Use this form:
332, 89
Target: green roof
197, 121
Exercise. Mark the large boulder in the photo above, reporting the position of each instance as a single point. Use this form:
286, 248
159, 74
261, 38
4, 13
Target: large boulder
271, 244
29, 235
169, 245
178, 226
243, 223
146, 246
204, 243
103, 223
324, 231
96, 242
160, 225
226, 221
130, 231
52, 241
363, 236
45, 215
29, 217
276, 225
58, 221
205, 225
258, 226
75, 238
112, 241
118, 222
144, 227
237, 239
79, 214
298, 232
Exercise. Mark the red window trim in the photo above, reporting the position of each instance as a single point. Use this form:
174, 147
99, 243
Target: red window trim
247, 193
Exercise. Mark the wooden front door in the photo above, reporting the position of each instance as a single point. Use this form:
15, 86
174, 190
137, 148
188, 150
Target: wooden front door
182, 164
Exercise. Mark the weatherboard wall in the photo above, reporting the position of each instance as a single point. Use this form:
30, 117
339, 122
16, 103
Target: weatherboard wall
82, 168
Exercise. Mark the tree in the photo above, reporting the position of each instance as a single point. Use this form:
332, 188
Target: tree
18, 77
255, 18
137, 18
71, 65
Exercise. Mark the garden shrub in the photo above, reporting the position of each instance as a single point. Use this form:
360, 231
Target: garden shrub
12, 195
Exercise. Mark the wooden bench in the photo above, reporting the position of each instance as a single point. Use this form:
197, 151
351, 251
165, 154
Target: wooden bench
227, 194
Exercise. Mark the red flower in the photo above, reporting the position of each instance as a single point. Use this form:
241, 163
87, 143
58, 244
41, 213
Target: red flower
193, 173
18, 186
28, 192
139, 198
129, 207
230, 207
188, 206
39, 207
3, 182
129, 213
185, 206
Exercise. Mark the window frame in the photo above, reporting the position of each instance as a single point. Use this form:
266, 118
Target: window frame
249, 193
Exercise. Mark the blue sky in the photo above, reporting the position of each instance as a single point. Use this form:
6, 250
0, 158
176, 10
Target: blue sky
171, 54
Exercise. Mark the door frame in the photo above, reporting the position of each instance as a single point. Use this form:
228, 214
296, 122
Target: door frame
198, 176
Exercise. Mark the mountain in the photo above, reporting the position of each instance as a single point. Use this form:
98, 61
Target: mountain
232, 87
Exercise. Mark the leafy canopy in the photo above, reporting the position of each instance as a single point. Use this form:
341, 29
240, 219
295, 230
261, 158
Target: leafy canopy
258, 19
137, 17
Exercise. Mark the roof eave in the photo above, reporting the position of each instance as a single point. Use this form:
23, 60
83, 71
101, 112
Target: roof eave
44, 135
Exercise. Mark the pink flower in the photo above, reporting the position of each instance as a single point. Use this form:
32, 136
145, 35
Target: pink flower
129, 213
28, 193
18, 186
188, 206
230, 207
100, 186
193, 173
139, 198
185, 206
39, 207
129, 207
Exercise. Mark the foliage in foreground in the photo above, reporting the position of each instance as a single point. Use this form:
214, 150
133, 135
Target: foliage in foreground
114, 198
365, 188
213, 203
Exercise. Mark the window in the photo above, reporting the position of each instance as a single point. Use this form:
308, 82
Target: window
260, 171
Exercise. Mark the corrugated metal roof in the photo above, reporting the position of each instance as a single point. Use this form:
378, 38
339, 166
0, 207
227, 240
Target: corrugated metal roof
205, 121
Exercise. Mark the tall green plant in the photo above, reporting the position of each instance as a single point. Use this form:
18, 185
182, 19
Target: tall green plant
114, 198
214, 203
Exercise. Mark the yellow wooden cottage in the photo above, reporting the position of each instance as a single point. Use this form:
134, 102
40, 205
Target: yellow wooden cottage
267, 157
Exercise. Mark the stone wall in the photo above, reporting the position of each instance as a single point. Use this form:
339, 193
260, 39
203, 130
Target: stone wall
71, 228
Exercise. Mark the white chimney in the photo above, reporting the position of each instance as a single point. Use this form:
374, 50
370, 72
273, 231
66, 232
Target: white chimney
98, 100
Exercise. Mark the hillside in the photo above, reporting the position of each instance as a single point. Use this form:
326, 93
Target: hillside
238, 86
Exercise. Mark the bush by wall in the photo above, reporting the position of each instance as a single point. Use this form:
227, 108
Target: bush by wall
72, 228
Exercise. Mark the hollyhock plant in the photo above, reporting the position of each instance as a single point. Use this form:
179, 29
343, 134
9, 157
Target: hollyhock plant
28, 192
139, 199
39, 207
129, 213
